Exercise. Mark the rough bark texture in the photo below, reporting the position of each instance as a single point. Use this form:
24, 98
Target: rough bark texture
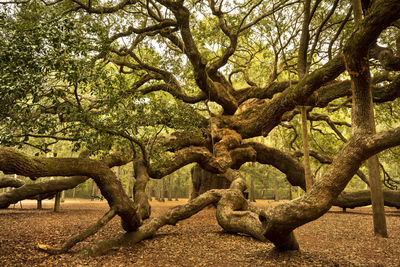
306, 148
203, 181
11, 182
31, 191
363, 198
12, 161
139, 190
57, 202
150, 227
357, 64
234, 216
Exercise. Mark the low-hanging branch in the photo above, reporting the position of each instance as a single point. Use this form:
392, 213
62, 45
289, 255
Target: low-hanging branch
28, 191
12, 161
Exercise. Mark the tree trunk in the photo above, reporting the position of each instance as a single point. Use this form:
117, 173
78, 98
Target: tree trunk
357, 64
170, 184
302, 69
139, 190
203, 181
377, 198
93, 190
276, 188
252, 193
306, 148
176, 186
128, 185
149, 191
39, 204
57, 202
161, 190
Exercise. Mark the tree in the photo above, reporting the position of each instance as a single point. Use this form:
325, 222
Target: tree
364, 120
133, 71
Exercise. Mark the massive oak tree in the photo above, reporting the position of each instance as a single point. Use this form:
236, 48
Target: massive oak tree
169, 83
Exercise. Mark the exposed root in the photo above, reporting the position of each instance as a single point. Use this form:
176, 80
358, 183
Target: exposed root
233, 213
150, 227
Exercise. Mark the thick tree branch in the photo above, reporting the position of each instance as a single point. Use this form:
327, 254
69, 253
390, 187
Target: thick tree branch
11, 182
12, 161
362, 198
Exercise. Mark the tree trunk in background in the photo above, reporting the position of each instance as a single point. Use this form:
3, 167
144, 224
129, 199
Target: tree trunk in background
252, 196
128, 187
92, 194
176, 187
39, 203
302, 70
149, 191
377, 200
160, 189
276, 189
170, 183
306, 148
57, 202
203, 181
363, 119
290, 192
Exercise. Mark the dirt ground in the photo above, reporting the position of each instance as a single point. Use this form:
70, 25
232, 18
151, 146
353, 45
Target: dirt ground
336, 239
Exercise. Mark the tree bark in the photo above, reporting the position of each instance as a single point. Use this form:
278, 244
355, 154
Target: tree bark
139, 190
203, 181
302, 68
170, 184
306, 148
57, 202
252, 196
276, 189
35, 190
150, 227
11, 182
12, 161
357, 64
234, 215
363, 198
128, 187
160, 189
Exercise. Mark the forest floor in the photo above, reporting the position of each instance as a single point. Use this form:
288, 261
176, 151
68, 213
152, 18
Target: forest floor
335, 239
